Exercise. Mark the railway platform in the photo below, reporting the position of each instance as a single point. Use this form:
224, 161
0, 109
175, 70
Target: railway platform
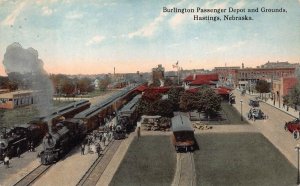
19, 167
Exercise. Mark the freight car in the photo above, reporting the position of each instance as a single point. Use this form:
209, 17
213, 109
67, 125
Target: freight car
23, 136
183, 134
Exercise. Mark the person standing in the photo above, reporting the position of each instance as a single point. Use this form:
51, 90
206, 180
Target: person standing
98, 149
138, 130
6, 161
82, 149
18, 152
32, 147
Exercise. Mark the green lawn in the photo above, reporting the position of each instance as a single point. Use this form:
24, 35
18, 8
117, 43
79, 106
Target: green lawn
227, 116
241, 159
151, 160
95, 93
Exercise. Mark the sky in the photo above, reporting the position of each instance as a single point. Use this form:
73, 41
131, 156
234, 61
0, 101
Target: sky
94, 36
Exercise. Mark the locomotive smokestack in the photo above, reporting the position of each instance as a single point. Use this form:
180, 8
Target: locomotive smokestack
24, 66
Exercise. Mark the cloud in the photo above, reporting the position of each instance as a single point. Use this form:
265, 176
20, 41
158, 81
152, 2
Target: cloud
10, 19
148, 30
241, 4
177, 20
230, 47
74, 15
45, 1
47, 11
95, 40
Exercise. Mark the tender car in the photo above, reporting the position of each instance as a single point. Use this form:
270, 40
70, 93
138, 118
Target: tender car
294, 127
254, 103
256, 113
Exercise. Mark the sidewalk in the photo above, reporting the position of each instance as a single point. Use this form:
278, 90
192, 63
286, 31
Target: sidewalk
291, 111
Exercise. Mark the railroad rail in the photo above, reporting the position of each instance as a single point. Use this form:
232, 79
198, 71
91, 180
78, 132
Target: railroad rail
33, 175
185, 170
94, 173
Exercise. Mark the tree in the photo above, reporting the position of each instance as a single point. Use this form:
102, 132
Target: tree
58, 80
6, 83
294, 95
205, 100
168, 82
148, 102
262, 86
209, 101
68, 87
174, 97
83, 85
163, 108
188, 101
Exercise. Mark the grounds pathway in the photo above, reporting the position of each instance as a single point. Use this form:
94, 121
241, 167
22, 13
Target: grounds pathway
185, 170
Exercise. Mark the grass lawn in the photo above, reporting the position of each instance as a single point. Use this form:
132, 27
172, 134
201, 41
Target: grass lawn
227, 116
151, 160
21, 115
95, 93
241, 159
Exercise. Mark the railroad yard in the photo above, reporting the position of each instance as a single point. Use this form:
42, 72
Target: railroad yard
230, 152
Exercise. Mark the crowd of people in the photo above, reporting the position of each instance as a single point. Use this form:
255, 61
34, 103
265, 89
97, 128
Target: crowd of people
98, 139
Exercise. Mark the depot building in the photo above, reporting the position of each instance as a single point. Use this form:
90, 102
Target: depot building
16, 99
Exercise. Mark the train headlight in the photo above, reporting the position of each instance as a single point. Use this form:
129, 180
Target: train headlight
3, 144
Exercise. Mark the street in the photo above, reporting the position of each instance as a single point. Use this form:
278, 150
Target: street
272, 128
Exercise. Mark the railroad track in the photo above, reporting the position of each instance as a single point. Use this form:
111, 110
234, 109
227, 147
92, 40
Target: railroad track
30, 178
94, 173
185, 170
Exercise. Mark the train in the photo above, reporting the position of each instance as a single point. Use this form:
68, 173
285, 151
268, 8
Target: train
68, 133
183, 134
19, 138
62, 137
128, 115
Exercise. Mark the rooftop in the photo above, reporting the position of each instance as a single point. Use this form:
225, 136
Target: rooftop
13, 94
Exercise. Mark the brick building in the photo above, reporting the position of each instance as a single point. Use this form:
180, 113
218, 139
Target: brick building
282, 86
227, 75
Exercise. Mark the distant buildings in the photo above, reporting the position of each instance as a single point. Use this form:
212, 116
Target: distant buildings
280, 65
158, 73
227, 75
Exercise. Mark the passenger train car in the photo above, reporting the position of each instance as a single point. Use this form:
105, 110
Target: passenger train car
183, 134
69, 132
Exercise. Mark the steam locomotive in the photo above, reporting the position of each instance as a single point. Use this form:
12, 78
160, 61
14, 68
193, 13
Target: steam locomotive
66, 134
61, 139
23, 136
